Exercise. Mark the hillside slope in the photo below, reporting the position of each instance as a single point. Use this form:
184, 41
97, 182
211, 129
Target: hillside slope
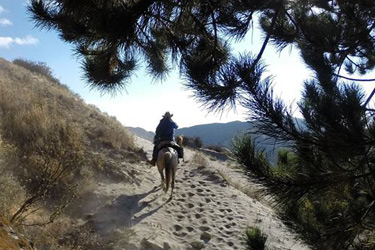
53, 149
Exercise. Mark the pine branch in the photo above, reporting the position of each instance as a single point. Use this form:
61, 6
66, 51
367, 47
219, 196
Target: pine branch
213, 23
370, 97
297, 26
355, 79
348, 58
265, 42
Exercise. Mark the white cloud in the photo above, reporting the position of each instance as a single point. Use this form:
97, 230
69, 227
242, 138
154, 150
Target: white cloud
1, 9
5, 22
6, 42
26, 41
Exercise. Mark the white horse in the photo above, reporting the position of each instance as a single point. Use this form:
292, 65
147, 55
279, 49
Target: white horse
168, 160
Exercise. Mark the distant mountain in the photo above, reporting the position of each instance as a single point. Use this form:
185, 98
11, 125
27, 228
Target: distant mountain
222, 134
140, 132
210, 134
216, 133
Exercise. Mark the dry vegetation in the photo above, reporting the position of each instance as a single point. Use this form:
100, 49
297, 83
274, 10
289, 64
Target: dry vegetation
52, 146
200, 160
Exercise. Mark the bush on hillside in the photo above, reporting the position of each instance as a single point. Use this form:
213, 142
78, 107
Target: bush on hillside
37, 67
51, 166
11, 191
200, 160
115, 136
193, 142
49, 150
108, 131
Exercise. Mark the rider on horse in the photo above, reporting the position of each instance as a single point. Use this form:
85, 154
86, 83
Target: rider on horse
164, 133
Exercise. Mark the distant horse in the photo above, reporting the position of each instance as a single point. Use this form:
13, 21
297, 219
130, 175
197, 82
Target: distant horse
168, 160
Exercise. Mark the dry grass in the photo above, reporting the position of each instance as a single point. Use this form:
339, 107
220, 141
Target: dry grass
58, 145
200, 160
35, 105
64, 235
216, 148
11, 191
50, 149
111, 134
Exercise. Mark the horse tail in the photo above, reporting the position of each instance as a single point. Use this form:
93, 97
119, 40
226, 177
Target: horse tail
168, 169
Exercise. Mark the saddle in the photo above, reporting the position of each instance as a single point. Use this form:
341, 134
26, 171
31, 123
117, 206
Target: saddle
172, 144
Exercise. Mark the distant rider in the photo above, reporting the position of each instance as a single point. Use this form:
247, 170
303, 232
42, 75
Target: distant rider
164, 132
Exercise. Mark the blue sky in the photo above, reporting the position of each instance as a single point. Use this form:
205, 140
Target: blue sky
144, 102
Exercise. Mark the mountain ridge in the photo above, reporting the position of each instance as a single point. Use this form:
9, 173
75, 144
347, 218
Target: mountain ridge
222, 134
207, 132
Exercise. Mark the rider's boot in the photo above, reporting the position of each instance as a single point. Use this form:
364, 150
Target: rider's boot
151, 162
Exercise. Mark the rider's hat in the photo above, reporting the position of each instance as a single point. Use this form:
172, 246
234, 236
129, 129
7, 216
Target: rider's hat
167, 115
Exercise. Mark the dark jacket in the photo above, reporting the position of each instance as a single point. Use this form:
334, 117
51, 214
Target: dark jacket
165, 130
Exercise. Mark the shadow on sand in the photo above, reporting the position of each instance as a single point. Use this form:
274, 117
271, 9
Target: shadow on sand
120, 213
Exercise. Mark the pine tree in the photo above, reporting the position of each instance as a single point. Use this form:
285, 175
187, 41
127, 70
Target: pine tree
335, 147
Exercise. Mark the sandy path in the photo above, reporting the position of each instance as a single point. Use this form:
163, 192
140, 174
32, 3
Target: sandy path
205, 212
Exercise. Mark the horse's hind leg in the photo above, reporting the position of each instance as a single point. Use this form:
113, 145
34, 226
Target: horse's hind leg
173, 180
162, 181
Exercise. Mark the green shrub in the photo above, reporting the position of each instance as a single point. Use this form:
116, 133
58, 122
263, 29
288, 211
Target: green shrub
254, 239
246, 153
286, 164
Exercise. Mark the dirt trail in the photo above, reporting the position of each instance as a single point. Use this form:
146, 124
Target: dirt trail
205, 211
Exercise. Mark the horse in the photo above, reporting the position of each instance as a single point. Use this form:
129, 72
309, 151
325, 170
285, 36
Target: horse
168, 160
